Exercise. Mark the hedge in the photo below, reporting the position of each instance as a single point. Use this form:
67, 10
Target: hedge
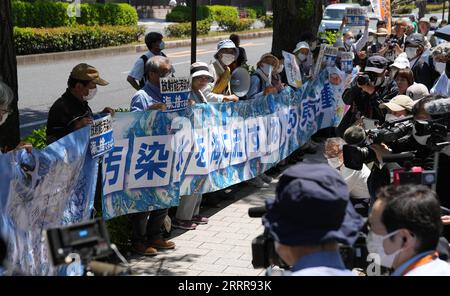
34, 40
181, 14
267, 20
223, 13
259, 10
184, 29
233, 25
45, 14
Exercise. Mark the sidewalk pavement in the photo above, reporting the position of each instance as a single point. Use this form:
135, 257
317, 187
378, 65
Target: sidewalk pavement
223, 246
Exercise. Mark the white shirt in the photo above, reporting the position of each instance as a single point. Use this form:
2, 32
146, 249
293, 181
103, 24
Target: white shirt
437, 267
322, 271
137, 72
356, 181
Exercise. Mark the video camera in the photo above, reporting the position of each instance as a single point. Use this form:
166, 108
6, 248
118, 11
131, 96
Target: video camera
392, 42
357, 152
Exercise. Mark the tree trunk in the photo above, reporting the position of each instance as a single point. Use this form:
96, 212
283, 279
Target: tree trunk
9, 131
291, 18
422, 5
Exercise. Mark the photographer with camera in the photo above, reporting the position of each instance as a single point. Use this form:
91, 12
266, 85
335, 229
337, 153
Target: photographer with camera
421, 60
405, 227
396, 42
367, 91
310, 215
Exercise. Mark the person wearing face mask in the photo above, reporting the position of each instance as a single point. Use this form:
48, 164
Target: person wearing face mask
71, 111
310, 215
400, 63
424, 29
278, 75
420, 60
441, 57
404, 231
356, 180
146, 234
367, 91
260, 82
304, 59
378, 42
398, 108
219, 90
350, 42
155, 45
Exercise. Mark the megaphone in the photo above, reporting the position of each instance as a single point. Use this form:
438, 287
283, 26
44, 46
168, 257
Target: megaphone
240, 82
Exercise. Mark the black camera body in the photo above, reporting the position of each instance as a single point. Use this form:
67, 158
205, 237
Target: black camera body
356, 155
263, 252
363, 79
392, 42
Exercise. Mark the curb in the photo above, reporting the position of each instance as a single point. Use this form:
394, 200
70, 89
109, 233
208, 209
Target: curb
46, 58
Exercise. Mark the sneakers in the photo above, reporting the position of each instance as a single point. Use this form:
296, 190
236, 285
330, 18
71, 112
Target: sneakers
200, 220
184, 224
258, 182
143, 249
266, 178
162, 244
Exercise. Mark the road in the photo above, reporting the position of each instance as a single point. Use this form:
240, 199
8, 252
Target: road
40, 85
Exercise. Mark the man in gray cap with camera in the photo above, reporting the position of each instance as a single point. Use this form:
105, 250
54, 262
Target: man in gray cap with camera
310, 215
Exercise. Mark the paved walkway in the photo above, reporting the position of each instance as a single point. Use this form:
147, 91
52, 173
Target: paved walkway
223, 246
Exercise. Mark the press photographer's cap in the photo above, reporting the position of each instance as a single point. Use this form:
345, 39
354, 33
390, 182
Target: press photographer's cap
417, 91
311, 207
399, 103
87, 73
201, 69
376, 64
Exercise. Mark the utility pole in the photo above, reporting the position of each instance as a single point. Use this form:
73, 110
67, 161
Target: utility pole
193, 31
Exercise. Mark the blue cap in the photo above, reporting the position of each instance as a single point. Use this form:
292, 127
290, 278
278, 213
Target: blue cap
311, 207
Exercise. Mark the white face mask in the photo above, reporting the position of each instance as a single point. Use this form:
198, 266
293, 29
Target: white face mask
422, 140
266, 68
411, 52
280, 69
440, 67
162, 45
334, 162
227, 59
4, 117
381, 40
301, 57
91, 95
375, 245
349, 42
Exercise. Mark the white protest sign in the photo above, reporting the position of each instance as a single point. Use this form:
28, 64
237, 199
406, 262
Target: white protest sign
356, 17
293, 74
175, 92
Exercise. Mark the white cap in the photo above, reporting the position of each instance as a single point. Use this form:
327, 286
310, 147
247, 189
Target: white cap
201, 69
300, 45
401, 62
417, 91
227, 43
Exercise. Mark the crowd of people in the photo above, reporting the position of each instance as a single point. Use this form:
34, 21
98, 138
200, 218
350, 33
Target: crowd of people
317, 206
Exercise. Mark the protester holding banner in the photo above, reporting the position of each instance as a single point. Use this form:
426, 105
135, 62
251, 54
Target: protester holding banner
188, 212
147, 235
261, 81
71, 111
155, 45
277, 78
304, 59
219, 90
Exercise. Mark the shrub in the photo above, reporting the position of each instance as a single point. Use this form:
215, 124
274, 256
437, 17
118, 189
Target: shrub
181, 14
223, 13
267, 20
34, 40
184, 29
233, 25
46, 14
251, 13
260, 10
37, 138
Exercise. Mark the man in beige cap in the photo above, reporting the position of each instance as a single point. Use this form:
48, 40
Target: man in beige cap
398, 107
71, 111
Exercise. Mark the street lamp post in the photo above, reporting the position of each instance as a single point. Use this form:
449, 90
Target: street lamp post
193, 31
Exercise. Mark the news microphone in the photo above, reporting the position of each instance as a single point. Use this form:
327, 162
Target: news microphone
438, 107
257, 212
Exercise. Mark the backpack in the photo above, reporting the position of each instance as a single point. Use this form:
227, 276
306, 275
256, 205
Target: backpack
142, 81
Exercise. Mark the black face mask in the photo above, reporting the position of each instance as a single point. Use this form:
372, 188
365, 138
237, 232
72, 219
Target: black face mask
447, 69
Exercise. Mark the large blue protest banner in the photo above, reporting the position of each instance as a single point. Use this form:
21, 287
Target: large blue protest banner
160, 156
45, 189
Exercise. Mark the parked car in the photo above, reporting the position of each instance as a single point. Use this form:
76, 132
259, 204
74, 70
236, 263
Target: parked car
332, 16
